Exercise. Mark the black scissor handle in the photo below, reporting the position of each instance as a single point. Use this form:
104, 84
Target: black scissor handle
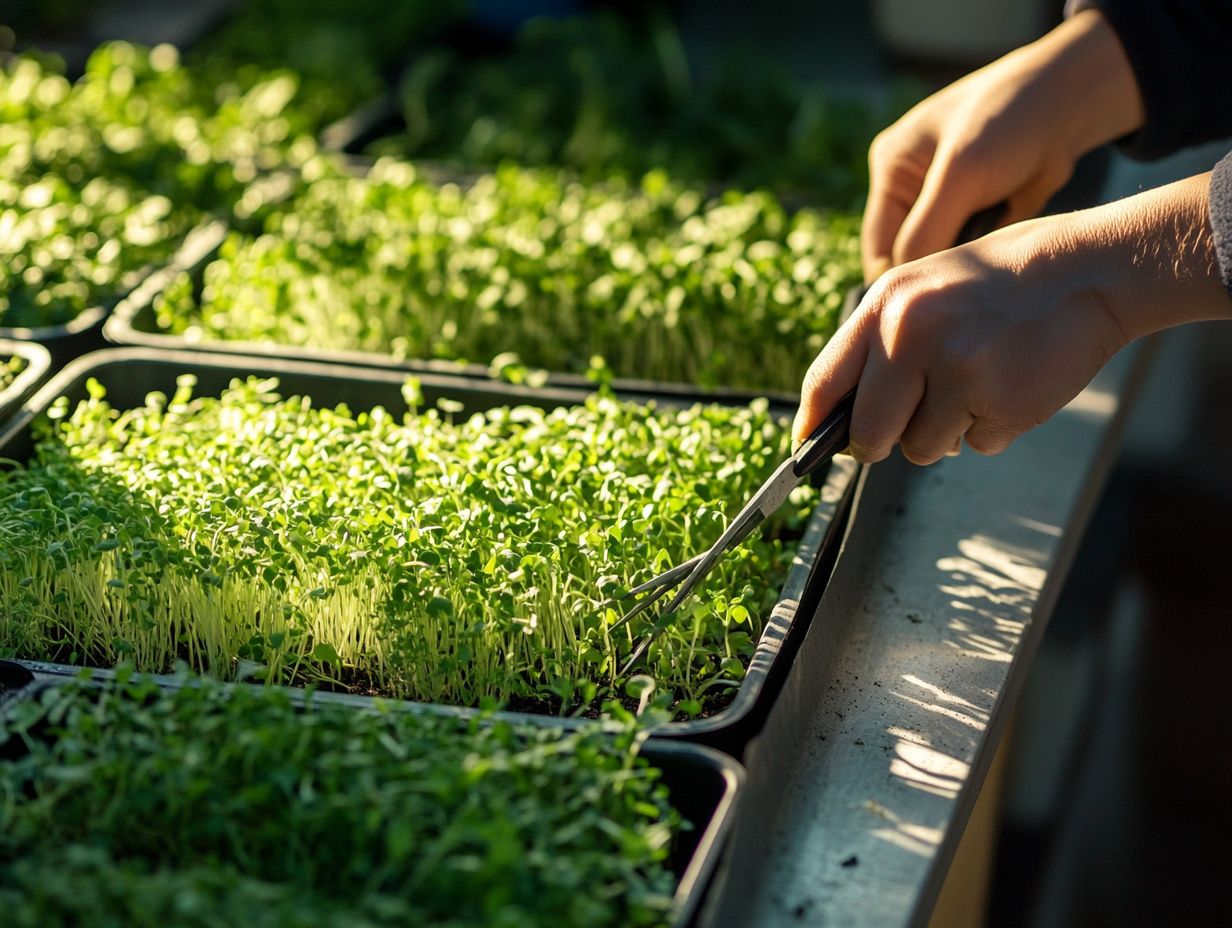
827, 440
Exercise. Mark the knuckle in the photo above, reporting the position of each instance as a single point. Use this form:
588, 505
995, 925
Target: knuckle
882, 147
918, 454
987, 441
865, 444
912, 320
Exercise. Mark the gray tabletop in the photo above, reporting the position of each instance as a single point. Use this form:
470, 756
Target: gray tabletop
862, 781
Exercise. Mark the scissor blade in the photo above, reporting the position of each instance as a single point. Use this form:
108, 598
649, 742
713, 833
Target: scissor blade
767, 500
772, 494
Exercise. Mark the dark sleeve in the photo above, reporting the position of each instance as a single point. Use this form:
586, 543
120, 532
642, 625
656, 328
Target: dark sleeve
1221, 217
1181, 53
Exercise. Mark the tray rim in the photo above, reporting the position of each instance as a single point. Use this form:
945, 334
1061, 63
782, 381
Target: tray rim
784, 619
38, 364
694, 879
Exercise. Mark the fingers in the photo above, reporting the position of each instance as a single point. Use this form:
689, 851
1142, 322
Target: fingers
937, 427
833, 373
988, 437
882, 220
948, 198
898, 160
886, 400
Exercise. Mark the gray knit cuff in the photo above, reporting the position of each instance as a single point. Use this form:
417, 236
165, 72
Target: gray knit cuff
1221, 217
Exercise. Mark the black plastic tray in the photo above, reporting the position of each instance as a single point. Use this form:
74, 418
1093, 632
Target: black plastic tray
68, 340
38, 363
129, 374
703, 784
84, 333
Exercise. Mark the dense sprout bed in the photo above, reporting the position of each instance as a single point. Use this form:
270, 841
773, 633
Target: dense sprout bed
441, 560
138, 116
208, 807
599, 96
660, 281
340, 54
103, 177
65, 248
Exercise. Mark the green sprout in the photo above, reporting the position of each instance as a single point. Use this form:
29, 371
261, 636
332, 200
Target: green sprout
431, 558
66, 248
601, 97
660, 281
210, 806
339, 54
138, 117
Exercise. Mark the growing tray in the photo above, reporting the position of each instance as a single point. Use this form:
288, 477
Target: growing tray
38, 362
84, 333
79, 335
129, 374
132, 325
703, 784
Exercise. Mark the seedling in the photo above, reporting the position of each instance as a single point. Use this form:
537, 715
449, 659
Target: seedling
212, 806
429, 558
10, 368
65, 248
531, 266
601, 97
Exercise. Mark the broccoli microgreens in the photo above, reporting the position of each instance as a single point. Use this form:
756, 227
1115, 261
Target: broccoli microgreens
65, 248
658, 280
427, 558
138, 117
209, 806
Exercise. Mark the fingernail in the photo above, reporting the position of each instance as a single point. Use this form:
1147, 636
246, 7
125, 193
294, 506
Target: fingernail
954, 452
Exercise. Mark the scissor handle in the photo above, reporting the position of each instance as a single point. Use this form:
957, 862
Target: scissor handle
827, 439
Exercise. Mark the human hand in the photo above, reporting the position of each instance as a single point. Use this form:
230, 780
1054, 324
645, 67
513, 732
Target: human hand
989, 339
1011, 132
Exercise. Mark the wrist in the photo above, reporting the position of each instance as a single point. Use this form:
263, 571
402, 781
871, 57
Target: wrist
1149, 259
1093, 78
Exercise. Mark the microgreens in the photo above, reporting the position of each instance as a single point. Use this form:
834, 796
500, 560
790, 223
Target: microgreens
138, 117
210, 806
661, 282
424, 558
339, 53
65, 248
596, 95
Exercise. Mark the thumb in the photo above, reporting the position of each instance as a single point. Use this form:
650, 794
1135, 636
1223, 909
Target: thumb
832, 375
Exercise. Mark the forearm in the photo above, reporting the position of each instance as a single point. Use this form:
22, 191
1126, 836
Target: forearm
1150, 259
987, 340
1094, 91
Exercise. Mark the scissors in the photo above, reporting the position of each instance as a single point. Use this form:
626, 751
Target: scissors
826, 440
823, 443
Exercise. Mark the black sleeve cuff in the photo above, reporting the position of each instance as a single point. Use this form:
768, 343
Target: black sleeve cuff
1179, 52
